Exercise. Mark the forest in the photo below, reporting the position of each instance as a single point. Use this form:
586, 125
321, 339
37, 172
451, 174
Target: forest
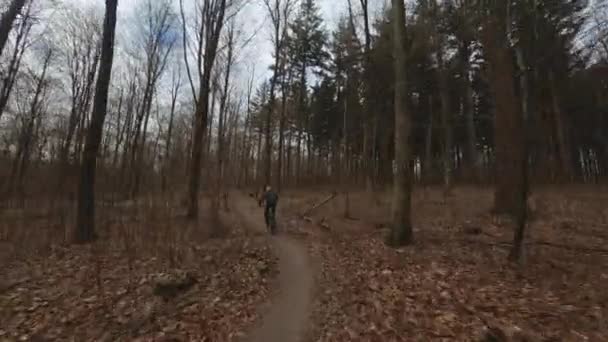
441, 168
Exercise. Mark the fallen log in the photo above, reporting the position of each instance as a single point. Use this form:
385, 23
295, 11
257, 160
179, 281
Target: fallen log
318, 205
573, 248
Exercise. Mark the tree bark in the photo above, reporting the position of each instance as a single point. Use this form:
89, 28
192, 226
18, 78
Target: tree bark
401, 231
85, 220
446, 125
508, 125
472, 162
560, 128
286, 81
222, 119
516, 252
428, 148
369, 141
167, 163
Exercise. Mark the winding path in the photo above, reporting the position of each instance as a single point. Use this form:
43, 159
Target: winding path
288, 317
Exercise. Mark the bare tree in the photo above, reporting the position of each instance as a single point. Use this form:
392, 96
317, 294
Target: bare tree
158, 43
222, 116
508, 124
369, 133
21, 44
212, 14
401, 232
85, 219
6, 22
28, 135
81, 57
279, 11
175, 89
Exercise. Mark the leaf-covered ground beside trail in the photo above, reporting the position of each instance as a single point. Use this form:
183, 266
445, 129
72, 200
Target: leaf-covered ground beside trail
454, 282
106, 294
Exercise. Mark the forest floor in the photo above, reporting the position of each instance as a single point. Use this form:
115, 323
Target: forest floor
287, 319
454, 283
150, 277
323, 278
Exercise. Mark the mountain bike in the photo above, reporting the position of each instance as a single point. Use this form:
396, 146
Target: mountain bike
271, 223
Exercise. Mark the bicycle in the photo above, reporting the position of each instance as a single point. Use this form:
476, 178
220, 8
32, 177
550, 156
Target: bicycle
271, 223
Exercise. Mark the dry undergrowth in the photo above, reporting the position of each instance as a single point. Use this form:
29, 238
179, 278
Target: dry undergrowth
128, 285
454, 283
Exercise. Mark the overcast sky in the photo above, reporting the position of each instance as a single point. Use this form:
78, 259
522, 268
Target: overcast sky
258, 54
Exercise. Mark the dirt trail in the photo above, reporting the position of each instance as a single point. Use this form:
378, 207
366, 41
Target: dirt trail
288, 317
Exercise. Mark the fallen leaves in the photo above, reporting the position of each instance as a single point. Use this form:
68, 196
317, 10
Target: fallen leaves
445, 288
213, 295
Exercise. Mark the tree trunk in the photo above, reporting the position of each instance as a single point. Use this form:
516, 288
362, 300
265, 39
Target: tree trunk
258, 169
222, 119
560, 128
446, 125
508, 119
167, 163
28, 135
516, 252
468, 107
6, 23
428, 148
215, 25
15, 62
286, 80
369, 135
85, 220
401, 232
268, 131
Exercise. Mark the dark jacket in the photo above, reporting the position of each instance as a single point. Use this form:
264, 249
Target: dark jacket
270, 198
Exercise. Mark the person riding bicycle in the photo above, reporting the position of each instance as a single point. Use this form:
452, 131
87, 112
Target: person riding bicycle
270, 199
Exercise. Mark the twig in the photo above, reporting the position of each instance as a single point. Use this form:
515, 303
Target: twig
571, 248
544, 243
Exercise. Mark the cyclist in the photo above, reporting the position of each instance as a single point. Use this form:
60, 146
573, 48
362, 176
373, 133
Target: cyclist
270, 199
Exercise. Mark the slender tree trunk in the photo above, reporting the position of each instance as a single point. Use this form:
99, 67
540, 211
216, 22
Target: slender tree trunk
468, 107
268, 131
516, 253
345, 170
369, 135
282, 135
560, 128
215, 25
28, 134
15, 62
299, 156
472, 158
168, 156
401, 232
119, 132
209, 133
428, 148
85, 220
197, 149
259, 159
288, 157
446, 125
221, 141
